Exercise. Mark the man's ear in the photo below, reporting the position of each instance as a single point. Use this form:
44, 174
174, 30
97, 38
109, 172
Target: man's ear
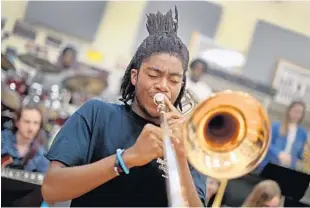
134, 76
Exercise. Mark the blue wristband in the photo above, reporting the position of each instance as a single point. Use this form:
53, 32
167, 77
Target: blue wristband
121, 161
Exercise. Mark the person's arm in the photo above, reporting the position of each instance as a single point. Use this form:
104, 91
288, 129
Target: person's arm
42, 163
303, 138
68, 155
274, 150
70, 175
65, 183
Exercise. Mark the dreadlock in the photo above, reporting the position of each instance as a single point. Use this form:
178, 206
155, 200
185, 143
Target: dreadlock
162, 38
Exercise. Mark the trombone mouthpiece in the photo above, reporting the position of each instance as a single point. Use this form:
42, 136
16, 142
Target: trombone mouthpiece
159, 98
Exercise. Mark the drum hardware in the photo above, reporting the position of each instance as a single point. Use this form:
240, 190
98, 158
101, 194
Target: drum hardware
17, 81
21, 175
39, 64
35, 93
85, 86
6, 63
56, 105
226, 136
10, 98
10, 104
88, 83
7, 118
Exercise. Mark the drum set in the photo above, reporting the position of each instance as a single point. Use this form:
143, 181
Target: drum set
33, 84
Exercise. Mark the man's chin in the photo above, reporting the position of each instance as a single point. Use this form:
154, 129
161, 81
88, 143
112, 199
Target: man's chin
152, 113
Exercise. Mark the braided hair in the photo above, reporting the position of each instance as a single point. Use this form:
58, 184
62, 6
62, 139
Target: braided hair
162, 38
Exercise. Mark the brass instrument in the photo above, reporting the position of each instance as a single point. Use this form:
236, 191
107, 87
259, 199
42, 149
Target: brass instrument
226, 136
174, 188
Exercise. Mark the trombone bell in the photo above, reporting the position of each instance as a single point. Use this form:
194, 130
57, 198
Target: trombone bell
227, 135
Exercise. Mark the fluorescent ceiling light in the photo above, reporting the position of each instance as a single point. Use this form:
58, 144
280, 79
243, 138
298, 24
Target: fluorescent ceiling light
225, 58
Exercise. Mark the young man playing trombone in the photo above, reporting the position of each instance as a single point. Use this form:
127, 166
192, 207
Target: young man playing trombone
110, 155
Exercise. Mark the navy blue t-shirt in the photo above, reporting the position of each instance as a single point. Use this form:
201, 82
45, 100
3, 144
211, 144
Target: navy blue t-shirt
94, 132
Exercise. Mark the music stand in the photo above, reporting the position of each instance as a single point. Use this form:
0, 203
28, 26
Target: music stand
244, 185
293, 183
21, 194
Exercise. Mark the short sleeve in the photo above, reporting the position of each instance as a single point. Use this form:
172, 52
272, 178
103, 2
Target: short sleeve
200, 183
72, 142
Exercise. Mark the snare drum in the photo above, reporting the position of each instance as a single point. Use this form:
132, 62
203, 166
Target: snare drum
17, 83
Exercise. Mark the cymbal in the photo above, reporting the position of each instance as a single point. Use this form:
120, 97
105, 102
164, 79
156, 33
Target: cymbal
39, 64
6, 64
88, 83
10, 98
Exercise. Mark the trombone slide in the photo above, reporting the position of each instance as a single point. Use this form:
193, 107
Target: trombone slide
174, 188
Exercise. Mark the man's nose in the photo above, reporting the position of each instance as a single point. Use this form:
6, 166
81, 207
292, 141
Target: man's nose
162, 85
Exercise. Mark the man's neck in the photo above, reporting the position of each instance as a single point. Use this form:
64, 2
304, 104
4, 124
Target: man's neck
21, 141
138, 110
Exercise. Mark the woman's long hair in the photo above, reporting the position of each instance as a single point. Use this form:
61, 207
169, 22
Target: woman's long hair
287, 119
263, 192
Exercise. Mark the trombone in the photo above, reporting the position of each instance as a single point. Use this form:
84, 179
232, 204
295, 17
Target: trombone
174, 188
226, 136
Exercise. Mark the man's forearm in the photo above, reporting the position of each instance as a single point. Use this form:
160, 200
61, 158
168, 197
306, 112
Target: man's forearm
189, 185
67, 183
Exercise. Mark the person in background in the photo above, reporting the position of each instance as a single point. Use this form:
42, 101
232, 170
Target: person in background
112, 92
265, 194
289, 137
68, 58
304, 164
198, 68
212, 188
23, 148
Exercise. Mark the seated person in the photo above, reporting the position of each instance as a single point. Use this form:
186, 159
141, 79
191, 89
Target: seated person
304, 164
68, 58
265, 194
212, 187
194, 82
23, 147
288, 138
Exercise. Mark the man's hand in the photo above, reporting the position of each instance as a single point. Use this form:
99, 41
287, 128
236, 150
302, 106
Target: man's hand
176, 122
285, 159
148, 146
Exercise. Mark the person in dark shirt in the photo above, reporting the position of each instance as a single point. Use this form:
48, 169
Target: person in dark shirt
23, 147
67, 58
111, 155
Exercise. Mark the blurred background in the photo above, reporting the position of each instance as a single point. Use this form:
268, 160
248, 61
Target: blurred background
260, 47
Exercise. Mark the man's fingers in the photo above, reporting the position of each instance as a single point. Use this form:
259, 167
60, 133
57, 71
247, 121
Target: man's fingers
170, 105
173, 115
